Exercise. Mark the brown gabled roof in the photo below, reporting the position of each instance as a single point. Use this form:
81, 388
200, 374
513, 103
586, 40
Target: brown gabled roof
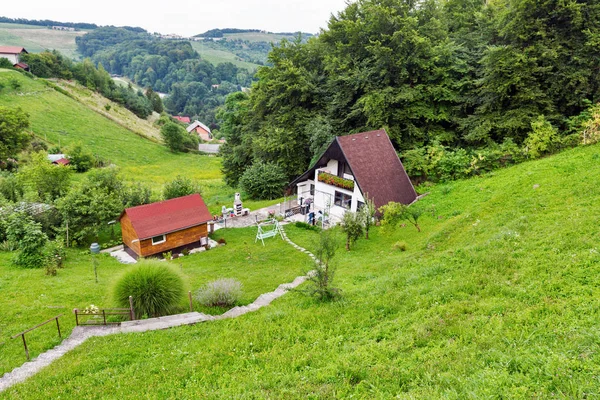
376, 167
167, 216
12, 50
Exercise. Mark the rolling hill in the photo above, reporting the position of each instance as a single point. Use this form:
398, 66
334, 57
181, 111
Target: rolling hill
37, 39
495, 298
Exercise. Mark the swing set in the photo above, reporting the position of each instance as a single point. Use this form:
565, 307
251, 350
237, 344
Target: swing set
267, 230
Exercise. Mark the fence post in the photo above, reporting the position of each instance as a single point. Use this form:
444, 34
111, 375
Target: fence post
131, 312
58, 327
76, 318
191, 304
104, 316
25, 345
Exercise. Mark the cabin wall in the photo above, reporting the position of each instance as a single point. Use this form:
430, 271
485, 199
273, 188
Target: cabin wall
174, 240
129, 235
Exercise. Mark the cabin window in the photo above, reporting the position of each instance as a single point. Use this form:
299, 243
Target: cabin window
359, 205
312, 189
159, 239
342, 200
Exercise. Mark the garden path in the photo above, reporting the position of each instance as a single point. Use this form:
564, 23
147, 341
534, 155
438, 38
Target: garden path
81, 334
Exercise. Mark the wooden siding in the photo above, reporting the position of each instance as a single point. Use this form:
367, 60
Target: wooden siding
129, 234
173, 240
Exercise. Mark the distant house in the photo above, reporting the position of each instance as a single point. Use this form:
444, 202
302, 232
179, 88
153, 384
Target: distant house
185, 120
61, 161
201, 130
55, 157
352, 168
165, 226
12, 53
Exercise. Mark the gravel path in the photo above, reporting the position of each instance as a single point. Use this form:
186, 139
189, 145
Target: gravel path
80, 334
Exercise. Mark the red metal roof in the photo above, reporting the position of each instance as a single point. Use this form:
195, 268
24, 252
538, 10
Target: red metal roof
61, 161
377, 168
12, 49
168, 216
182, 119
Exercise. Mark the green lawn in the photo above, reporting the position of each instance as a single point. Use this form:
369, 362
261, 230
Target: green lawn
497, 297
30, 297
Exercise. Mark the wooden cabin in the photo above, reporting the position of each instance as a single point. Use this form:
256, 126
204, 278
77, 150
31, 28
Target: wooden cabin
164, 226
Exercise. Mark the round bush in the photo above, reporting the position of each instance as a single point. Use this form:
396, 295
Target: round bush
155, 287
263, 181
222, 292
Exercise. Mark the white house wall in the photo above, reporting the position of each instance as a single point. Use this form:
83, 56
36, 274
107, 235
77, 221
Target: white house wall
13, 58
325, 193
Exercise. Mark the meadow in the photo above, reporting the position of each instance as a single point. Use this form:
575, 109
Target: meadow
495, 298
61, 120
37, 39
215, 55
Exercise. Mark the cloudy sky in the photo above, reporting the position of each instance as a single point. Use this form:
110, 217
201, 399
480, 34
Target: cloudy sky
184, 17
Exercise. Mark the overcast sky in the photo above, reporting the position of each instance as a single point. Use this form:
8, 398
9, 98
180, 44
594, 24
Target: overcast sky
183, 17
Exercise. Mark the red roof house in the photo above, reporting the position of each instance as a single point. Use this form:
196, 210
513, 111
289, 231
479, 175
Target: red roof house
201, 130
164, 226
12, 53
61, 161
353, 168
185, 120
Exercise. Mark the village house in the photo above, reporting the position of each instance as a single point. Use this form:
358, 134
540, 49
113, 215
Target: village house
201, 130
185, 120
169, 225
353, 168
12, 53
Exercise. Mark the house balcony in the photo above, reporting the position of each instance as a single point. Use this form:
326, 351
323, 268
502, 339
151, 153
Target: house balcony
335, 180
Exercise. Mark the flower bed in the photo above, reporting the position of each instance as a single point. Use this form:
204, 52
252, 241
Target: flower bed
334, 180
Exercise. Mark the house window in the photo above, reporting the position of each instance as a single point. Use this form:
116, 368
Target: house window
158, 239
312, 189
342, 200
343, 168
359, 205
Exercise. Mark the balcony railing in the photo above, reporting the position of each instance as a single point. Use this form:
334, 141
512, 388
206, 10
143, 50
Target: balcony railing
334, 180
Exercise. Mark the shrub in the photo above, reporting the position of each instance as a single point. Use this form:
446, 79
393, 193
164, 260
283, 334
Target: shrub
542, 138
352, 227
222, 292
81, 158
321, 278
30, 240
180, 186
156, 288
396, 212
263, 181
15, 84
399, 246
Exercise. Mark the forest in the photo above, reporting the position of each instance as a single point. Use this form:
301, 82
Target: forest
461, 86
195, 87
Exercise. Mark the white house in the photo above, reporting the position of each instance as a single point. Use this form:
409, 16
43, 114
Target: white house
352, 167
12, 53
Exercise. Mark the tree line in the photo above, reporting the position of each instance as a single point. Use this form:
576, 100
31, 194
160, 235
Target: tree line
461, 86
53, 65
48, 22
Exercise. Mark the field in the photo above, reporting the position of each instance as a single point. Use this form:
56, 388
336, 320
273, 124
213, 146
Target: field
258, 36
36, 297
495, 298
62, 121
36, 38
214, 55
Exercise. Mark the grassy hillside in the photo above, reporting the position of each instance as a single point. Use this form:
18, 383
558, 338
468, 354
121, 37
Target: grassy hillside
495, 298
215, 54
36, 297
36, 38
61, 120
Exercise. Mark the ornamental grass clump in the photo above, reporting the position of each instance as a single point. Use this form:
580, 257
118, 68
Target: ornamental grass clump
222, 292
155, 287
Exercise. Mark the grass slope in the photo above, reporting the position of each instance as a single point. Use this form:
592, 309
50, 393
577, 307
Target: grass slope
496, 298
62, 120
29, 297
37, 39
215, 54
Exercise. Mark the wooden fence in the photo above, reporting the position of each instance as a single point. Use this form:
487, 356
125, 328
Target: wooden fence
22, 334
